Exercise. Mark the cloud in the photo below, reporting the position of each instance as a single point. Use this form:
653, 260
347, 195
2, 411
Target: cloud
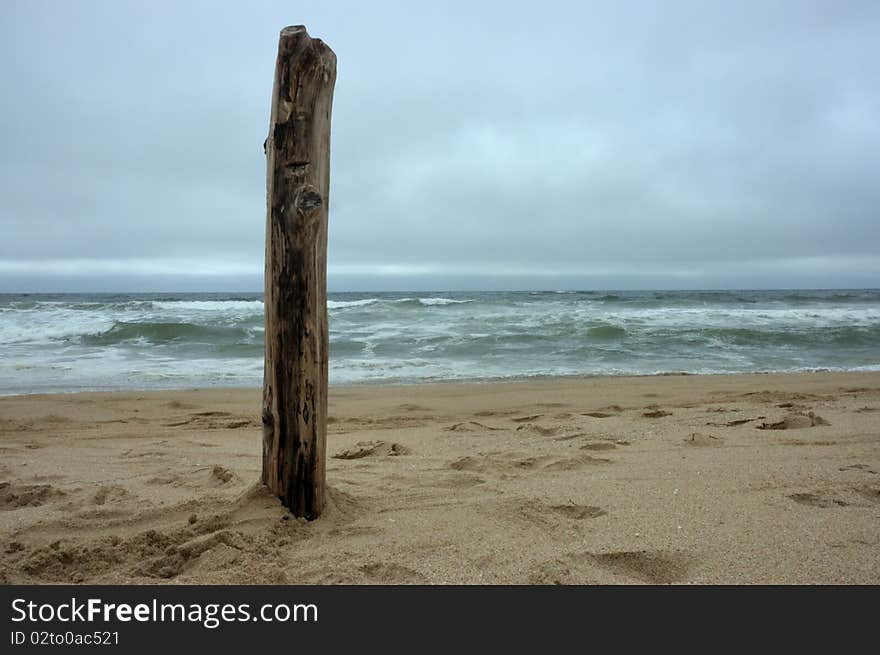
473, 143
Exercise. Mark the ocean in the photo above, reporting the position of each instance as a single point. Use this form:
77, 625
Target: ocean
73, 342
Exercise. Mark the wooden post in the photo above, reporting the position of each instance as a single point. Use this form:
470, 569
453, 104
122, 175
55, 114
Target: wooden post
297, 195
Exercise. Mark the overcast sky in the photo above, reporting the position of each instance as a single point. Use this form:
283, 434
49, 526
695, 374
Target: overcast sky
475, 144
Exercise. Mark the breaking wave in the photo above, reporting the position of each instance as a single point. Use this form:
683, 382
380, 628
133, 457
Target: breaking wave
85, 341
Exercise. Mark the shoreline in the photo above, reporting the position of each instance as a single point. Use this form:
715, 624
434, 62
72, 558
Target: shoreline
512, 380
730, 478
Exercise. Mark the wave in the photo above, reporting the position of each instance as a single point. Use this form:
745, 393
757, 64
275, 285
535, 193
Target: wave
65, 342
397, 302
344, 304
840, 336
42, 327
249, 306
425, 302
166, 333
431, 302
607, 332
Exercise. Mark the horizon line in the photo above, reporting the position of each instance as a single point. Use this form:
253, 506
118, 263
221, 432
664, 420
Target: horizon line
450, 290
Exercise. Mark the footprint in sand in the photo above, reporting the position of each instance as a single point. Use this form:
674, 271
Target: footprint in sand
502, 463
656, 413
734, 423
540, 430
526, 419
470, 426
817, 500
469, 463
179, 557
411, 407
456, 481
492, 412
390, 573
574, 463
599, 445
646, 566
111, 494
536, 513
859, 496
604, 412
654, 567
176, 404
372, 449
702, 440
858, 467
221, 475
802, 442
569, 437
871, 493
28, 495
559, 464
578, 512
214, 420
794, 422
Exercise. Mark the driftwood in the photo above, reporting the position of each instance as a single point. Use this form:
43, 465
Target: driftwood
297, 184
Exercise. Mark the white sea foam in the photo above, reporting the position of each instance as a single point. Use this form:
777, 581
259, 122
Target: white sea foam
35, 327
343, 304
224, 306
63, 343
429, 302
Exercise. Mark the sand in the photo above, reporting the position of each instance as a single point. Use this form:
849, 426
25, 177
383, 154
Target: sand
670, 479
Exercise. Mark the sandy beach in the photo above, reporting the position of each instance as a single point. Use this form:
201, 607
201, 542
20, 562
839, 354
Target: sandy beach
756, 478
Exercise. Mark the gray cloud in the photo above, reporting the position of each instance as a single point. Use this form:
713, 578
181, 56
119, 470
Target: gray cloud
624, 144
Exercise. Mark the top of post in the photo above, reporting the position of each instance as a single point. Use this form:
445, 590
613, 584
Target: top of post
294, 30
295, 36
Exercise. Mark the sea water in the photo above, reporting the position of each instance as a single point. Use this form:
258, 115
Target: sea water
70, 342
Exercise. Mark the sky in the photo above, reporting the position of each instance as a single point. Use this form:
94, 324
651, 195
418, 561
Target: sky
475, 145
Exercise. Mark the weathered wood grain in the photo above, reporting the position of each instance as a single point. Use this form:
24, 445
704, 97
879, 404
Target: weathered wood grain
297, 195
